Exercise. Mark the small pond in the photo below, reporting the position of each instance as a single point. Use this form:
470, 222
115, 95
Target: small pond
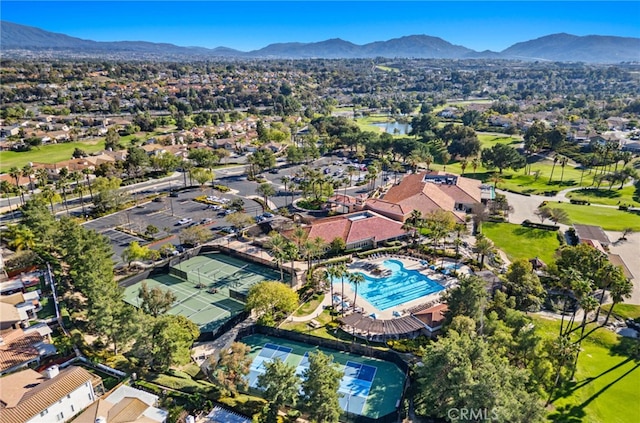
394, 128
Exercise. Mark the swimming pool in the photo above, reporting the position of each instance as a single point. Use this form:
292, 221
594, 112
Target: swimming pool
400, 287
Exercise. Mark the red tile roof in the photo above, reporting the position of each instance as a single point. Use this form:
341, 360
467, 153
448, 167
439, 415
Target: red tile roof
373, 226
433, 316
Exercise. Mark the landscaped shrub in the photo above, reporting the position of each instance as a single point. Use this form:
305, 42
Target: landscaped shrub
529, 224
409, 345
581, 202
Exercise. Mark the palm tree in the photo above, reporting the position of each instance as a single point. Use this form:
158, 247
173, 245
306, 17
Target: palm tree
482, 247
299, 235
16, 173
276, 246
43, 177
318, 246
395, 168
428, 159
28, 171
21, 238
620, 290
49, 194
445, 157
496, 179
63, 179
463, 164
356, 279
563, 163
8, 189
331, 274
555, 160
75, 175
86, 172
265, 190
475, 163
342, 268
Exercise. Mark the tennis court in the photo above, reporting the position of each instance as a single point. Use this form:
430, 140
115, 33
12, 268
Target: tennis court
369, 387
202, 286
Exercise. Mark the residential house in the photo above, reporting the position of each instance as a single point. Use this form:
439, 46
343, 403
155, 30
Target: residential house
360, 230
20, 348
9, 131
633, 146
54, 396
73, 165
125, 404
26, 305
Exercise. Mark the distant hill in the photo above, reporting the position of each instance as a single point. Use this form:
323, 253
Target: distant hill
571, 48
20, 40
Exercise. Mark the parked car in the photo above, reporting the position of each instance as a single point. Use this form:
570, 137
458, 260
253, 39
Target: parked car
185, 220
267, 215
206, 220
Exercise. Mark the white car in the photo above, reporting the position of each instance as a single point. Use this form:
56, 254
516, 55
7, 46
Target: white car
185, 220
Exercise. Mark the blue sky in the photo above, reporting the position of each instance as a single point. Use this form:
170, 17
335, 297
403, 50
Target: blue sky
249, 25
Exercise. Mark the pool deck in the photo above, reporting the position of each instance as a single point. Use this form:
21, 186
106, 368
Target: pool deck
409, 263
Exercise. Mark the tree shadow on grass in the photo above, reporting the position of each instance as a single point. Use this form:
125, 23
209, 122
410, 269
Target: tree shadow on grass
575, 413
533, 234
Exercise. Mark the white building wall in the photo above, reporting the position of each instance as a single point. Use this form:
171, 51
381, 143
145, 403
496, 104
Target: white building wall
67, 407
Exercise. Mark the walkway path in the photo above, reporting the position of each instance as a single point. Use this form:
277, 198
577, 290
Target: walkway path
326, 301
524, 206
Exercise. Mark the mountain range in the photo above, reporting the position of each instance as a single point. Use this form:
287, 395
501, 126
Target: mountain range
19, 41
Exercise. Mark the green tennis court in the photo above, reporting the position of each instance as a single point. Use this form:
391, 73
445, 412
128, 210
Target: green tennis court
203, 285
369, 387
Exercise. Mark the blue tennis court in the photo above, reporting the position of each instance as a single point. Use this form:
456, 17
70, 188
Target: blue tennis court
355, 386
368, 387
269, 353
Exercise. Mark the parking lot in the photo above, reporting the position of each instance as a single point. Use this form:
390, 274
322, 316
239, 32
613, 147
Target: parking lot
165, 214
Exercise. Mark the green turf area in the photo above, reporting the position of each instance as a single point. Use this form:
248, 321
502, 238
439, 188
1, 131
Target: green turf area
518, 241
613, 197
605, 389
310, 306
610, 218
624, 311
51, 153
386, 388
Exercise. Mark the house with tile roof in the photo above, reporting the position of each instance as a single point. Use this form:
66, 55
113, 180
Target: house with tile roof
53, 396
428, 192
360, 230
20, 348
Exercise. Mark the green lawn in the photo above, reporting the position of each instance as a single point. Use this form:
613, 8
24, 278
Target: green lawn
518, 241
605, 389
50, 153
613, 197
310, 306
611, 219
624, 311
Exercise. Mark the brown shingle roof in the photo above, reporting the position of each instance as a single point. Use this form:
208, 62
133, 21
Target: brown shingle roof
590, 232
38, 398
